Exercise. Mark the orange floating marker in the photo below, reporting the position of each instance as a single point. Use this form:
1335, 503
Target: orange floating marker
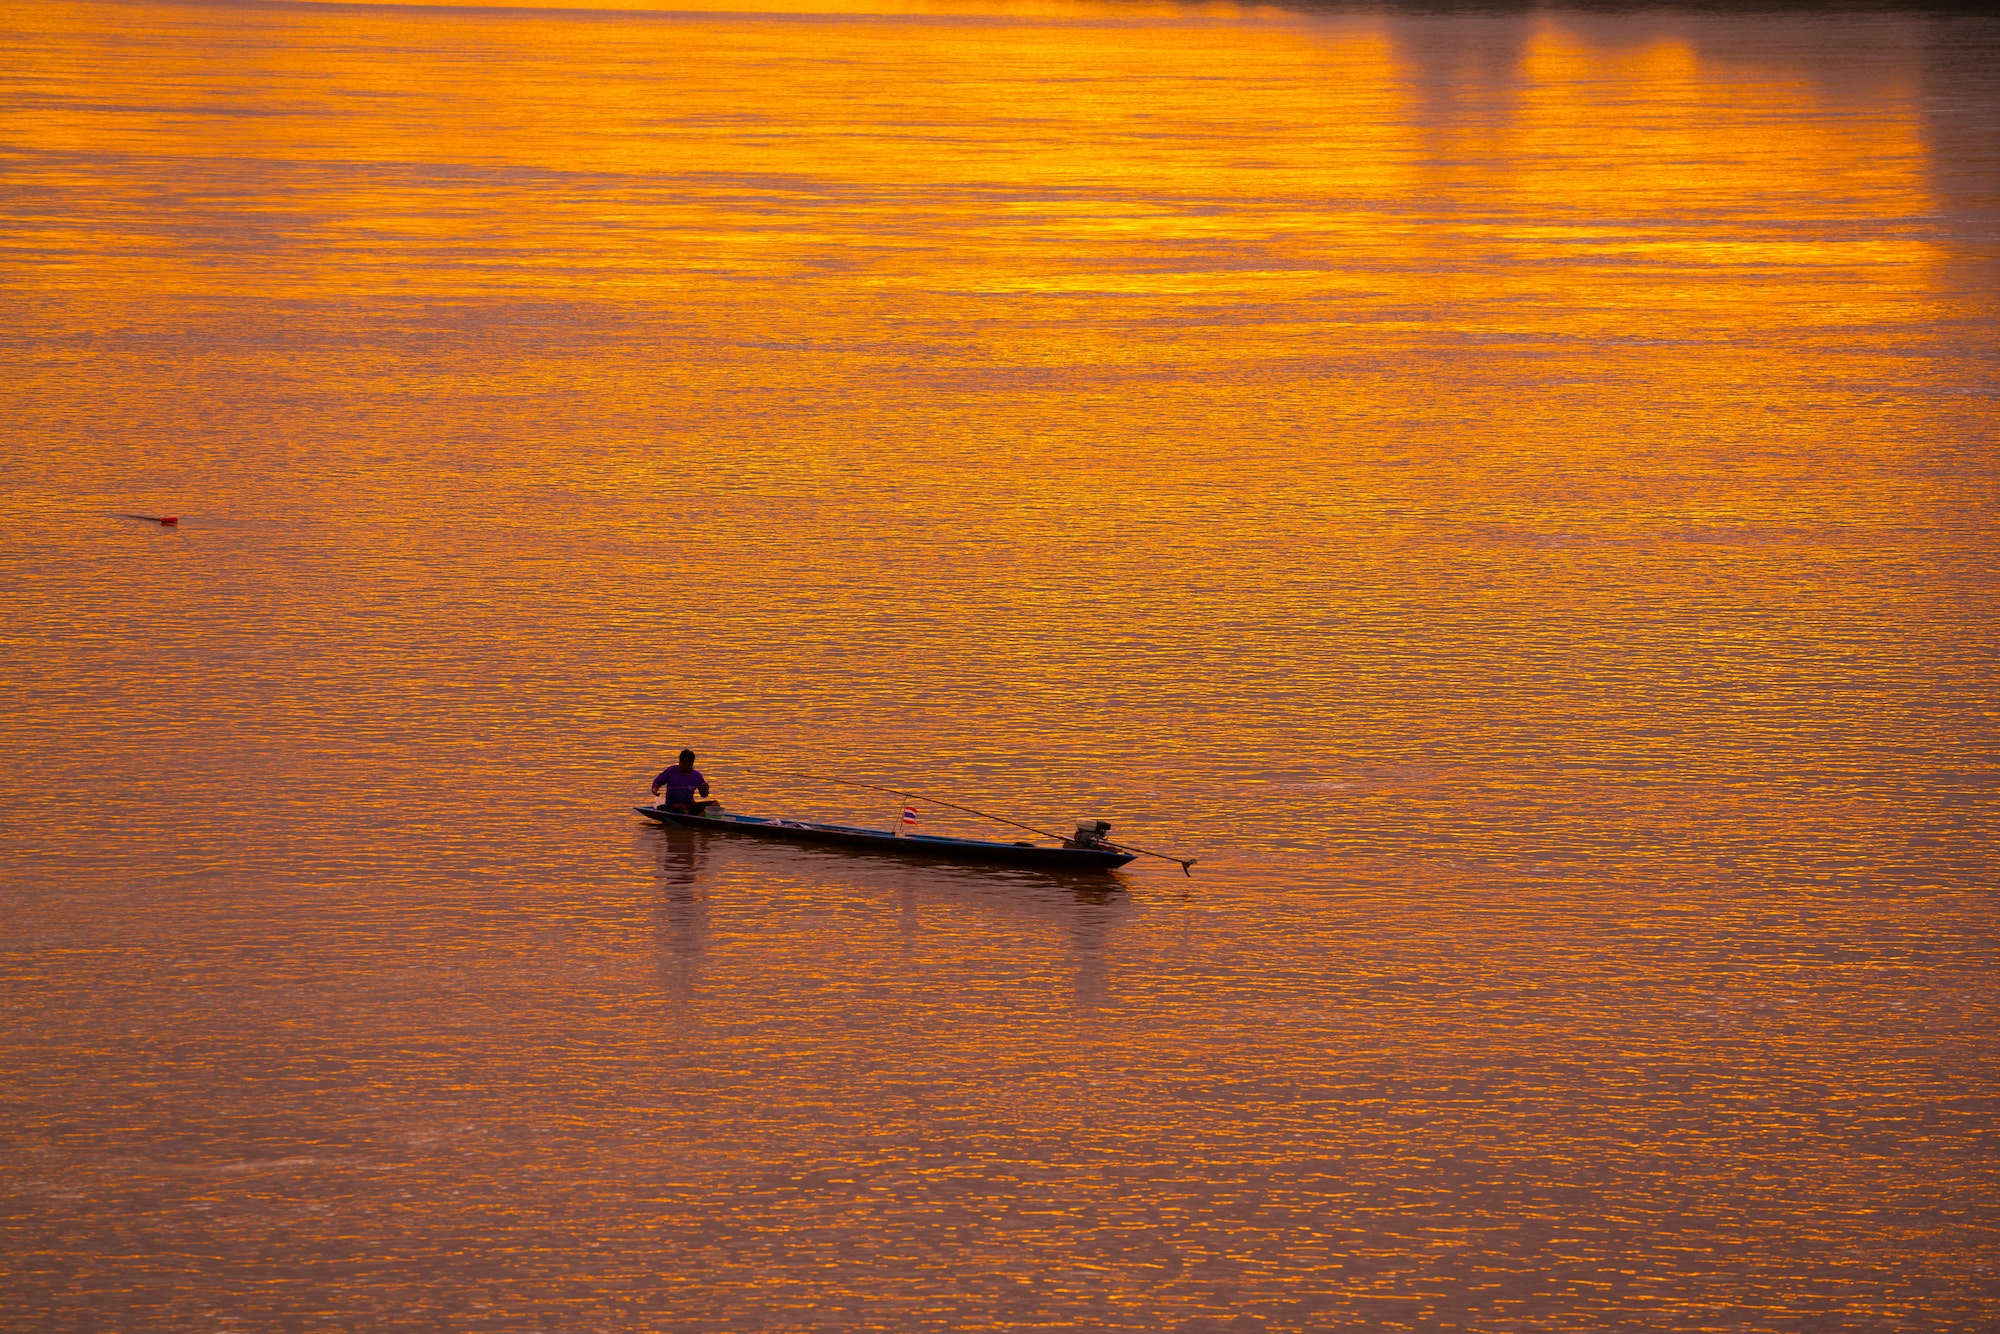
166, 519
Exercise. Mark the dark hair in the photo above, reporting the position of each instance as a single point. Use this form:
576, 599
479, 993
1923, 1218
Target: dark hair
687, 754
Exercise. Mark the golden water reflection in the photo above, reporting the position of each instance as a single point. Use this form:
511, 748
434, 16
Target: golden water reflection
1509, 490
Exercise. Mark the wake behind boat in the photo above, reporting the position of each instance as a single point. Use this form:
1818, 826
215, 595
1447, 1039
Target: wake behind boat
1077, 854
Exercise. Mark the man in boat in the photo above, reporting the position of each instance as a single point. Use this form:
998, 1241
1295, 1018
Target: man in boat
681, 782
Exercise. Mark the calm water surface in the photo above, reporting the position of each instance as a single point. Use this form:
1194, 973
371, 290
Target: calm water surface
1514, 493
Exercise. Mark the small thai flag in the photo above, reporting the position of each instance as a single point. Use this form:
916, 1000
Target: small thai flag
909, 815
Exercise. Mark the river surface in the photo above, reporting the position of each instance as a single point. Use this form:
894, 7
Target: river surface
1513, 492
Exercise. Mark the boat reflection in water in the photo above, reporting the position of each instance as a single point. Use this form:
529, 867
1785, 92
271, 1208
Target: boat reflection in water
735, 890
681, 916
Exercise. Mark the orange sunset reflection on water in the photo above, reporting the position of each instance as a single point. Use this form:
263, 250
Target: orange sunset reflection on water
1509, 490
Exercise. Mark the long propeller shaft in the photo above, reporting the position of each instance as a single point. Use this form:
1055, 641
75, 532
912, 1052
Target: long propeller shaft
1185, 863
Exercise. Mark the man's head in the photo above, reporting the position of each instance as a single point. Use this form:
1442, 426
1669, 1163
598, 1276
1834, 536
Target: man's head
687, 759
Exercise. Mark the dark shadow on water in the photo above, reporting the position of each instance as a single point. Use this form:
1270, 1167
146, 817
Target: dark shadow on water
1082, 907
681, 916
682, 855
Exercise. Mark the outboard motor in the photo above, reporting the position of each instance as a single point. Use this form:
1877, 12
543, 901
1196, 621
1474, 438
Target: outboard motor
1089, 834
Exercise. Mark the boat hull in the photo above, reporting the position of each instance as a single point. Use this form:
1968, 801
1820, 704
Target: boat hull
930, 847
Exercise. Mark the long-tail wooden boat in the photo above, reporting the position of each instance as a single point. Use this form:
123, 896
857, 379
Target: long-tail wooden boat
1064, 858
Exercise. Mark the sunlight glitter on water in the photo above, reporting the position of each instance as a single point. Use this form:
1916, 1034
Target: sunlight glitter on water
1511, 492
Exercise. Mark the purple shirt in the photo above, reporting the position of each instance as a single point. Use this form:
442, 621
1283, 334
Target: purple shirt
680, 783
